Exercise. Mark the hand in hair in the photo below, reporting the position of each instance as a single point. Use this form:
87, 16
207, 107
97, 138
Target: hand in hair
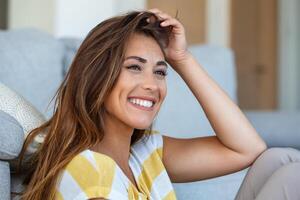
176, 51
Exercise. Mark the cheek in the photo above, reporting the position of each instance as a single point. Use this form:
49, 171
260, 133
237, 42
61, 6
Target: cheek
163, 91
109, 103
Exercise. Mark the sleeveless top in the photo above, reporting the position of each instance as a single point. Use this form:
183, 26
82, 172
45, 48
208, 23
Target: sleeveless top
91, 174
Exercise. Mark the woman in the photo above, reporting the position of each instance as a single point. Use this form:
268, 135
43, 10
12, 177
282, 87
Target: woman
100, 144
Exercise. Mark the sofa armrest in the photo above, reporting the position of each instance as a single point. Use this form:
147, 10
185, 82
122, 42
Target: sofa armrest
11, 137
4, 180
277, 128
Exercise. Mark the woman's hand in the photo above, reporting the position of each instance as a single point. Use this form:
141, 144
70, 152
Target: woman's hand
176, 52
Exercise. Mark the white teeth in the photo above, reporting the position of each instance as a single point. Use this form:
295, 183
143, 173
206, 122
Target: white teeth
140, 102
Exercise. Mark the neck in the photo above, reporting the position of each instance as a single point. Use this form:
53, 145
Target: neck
116, 142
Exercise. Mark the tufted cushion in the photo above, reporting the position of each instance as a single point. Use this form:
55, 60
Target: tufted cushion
17, 115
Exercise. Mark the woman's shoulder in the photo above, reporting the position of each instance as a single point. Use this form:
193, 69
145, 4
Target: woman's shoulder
91, 161
88, 174
153, 137
152, 141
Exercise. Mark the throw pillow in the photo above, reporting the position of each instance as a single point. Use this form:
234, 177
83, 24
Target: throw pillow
24, 114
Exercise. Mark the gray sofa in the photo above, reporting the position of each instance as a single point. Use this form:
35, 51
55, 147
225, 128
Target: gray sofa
33, 64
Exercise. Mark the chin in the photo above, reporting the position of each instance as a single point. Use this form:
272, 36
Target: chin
141, 125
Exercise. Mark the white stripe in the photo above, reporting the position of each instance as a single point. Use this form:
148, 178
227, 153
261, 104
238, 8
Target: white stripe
140, 197
117, 195
162, 185
68, 187
81, 196
156, 140
119, 187
120, 183
135, 167
143, 149
141, 152
90, 157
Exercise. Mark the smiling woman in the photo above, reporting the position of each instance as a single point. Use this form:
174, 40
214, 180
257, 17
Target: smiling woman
100, 143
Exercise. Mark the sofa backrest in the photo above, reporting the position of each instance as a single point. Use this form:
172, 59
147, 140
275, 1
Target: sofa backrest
31, 63
181, 115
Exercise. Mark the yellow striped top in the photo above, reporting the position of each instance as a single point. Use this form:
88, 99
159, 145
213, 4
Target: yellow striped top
91, 174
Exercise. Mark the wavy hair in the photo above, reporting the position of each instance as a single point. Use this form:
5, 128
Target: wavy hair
77, 123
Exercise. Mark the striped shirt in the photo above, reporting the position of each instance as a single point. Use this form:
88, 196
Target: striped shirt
91, 174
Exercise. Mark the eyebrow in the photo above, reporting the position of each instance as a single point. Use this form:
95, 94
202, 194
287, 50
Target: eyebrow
143, 60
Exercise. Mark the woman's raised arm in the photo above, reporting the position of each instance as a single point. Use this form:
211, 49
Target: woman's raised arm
236, 144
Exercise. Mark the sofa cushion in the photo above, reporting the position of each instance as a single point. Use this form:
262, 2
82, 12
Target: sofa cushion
71, 47
11, 136
4, 181
19, 116
31, 63
223, 187
277, 128
218, 62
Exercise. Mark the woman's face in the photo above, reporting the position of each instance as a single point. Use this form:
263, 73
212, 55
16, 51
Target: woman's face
141, 86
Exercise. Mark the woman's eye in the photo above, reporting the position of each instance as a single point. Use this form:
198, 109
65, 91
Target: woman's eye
138, 68
162, 73
134, 67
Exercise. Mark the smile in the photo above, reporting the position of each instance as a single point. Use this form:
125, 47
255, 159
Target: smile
142, 104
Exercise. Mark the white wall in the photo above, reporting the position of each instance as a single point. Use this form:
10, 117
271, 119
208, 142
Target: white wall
218, 22
66, 18
289, 59
31, 13
76, 18
122, 6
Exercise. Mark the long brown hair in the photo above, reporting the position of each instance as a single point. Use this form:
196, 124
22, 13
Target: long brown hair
77, 123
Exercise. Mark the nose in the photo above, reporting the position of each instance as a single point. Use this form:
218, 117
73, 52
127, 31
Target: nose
150, 82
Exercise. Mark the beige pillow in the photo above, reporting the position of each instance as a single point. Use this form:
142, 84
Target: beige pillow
24, 112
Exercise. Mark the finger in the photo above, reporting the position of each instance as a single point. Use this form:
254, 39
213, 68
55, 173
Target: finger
159, 14
155, 11
171, 22
177, 27
163, 16
155, 18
